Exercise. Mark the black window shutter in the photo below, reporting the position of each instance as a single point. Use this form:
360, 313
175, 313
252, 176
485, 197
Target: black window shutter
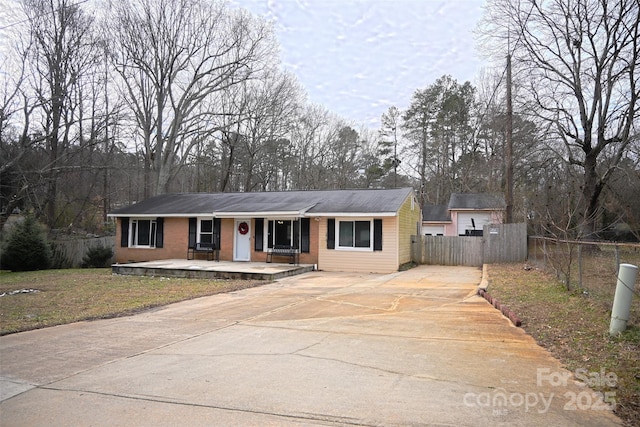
304, 237
296, 234
377, 234
217, 225
193, 229
159, 232
270, 234
331, 233
259, 227
124, 232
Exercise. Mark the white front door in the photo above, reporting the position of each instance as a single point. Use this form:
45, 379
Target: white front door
242, 244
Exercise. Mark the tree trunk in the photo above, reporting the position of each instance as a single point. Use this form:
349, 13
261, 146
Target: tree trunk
591, 195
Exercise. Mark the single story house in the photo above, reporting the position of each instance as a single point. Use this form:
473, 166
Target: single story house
465, 215
365, 230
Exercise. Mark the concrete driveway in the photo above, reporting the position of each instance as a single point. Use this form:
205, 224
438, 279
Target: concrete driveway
410, 348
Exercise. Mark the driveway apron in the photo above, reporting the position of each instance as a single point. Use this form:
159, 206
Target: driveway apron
410, 348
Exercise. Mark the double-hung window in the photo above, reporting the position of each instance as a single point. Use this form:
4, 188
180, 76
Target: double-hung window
204, 230
142, 233
355, 234
205, 233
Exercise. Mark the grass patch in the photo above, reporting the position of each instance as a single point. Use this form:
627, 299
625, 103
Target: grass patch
407, 266
65, 296
574, 327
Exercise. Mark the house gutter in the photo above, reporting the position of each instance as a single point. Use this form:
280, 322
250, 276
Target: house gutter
158, 215
351, 214
266, 214
249, 215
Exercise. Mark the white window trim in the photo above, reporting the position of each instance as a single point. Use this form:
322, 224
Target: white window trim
265, 234
153, 225
199, 227
353, 248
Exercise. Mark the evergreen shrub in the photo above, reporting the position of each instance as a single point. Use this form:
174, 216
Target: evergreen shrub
26, 248
97, 257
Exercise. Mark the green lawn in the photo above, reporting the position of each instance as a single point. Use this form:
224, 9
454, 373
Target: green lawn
65, 296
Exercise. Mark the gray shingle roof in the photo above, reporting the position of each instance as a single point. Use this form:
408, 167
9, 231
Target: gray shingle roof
436, 213
476, 201
312, 202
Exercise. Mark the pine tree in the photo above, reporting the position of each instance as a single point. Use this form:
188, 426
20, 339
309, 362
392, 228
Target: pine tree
27, 248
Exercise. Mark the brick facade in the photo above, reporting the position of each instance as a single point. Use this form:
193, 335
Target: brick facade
176, 243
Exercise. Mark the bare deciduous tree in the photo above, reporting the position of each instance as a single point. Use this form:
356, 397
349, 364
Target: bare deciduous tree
174, 56
307, 136
59, 56
272, 104
578, 67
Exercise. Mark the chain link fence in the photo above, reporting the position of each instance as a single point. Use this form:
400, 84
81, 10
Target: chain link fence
587, 267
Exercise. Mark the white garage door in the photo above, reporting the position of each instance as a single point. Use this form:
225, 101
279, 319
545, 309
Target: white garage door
433, 230
480, 219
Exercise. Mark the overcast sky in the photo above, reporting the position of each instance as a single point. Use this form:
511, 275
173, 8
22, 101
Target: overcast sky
357, 58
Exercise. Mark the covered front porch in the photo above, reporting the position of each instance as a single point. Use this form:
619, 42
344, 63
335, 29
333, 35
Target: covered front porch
200, 269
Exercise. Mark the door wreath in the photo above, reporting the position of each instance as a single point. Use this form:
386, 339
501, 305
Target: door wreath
243, 228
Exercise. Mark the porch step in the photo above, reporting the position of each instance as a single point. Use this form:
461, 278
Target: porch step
210, 269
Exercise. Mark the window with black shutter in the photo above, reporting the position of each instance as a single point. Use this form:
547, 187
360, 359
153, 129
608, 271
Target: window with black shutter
283, 233
360, 234
140, 233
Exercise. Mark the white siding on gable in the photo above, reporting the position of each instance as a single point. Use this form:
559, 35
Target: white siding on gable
480, 219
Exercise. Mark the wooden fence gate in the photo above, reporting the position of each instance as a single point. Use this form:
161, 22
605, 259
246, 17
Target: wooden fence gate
499, 243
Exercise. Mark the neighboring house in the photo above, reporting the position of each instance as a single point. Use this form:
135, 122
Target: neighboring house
466, 214
435, 219
339, 230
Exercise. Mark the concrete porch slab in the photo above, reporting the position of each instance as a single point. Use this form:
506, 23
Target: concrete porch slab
200, 269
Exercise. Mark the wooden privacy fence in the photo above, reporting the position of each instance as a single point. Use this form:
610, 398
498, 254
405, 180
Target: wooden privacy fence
499, 243
72, 251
